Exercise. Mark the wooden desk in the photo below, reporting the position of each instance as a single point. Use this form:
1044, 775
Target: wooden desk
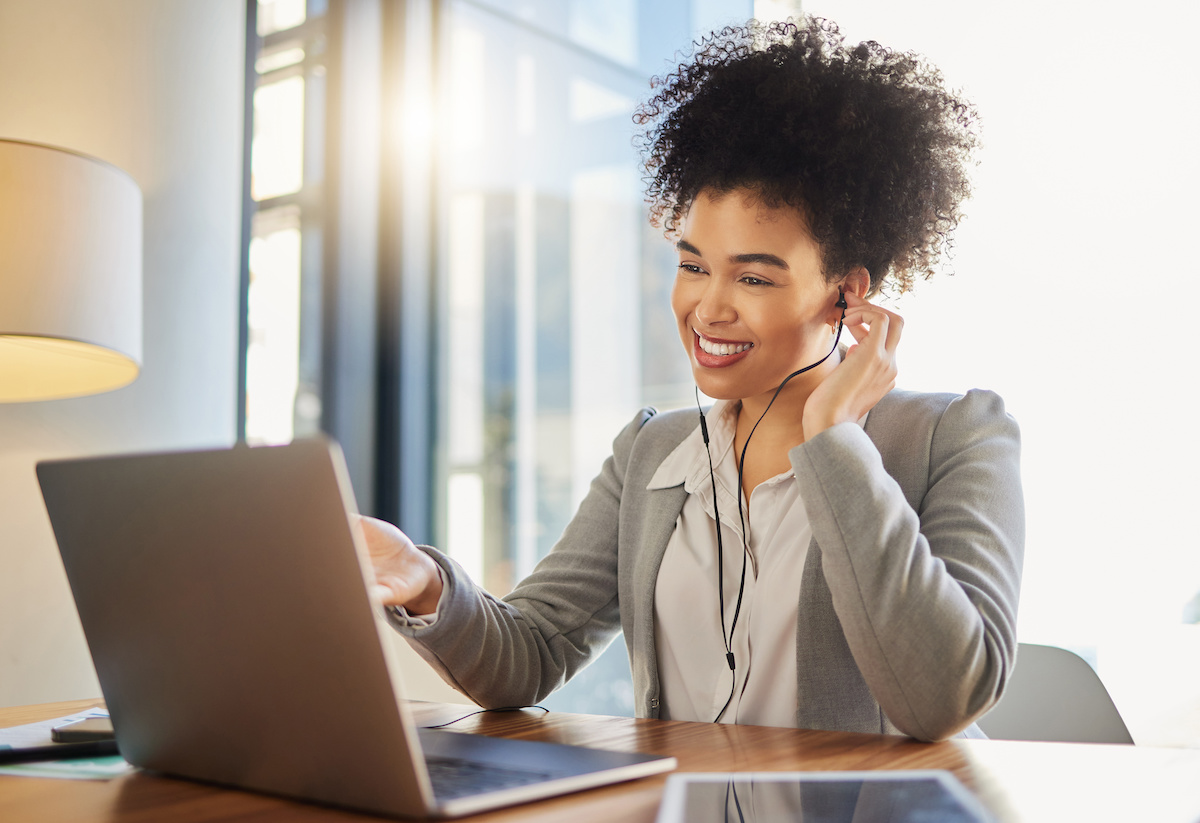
1018, 781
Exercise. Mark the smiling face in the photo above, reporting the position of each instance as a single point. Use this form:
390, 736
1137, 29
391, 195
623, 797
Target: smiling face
750, 297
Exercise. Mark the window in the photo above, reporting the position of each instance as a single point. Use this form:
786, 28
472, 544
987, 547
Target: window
282, 357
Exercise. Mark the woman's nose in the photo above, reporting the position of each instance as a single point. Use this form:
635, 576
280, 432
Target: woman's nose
715, 304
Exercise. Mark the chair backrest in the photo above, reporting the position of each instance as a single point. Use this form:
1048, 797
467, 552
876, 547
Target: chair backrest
1053, 694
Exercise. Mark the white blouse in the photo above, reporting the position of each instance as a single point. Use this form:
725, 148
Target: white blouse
694, 676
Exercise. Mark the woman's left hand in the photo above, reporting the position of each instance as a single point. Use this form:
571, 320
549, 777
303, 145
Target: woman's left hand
864, 376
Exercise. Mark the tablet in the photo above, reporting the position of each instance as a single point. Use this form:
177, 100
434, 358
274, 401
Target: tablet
819, 797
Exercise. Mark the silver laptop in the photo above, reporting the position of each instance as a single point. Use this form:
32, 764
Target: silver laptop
224, 599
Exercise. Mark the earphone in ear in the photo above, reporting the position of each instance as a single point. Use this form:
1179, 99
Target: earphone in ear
841, 304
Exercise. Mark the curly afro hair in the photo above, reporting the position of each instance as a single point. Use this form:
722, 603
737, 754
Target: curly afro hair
864, 141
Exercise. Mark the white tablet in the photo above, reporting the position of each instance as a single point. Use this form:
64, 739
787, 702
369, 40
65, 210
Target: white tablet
819, 797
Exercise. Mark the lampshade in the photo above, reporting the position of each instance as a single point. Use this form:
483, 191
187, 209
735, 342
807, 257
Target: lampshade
70, 274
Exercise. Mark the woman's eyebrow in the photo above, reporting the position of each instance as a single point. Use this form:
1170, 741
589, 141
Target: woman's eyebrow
751, 257
760, 257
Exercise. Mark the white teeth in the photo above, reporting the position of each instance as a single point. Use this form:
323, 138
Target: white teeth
721, 349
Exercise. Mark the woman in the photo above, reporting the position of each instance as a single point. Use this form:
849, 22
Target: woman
865, 571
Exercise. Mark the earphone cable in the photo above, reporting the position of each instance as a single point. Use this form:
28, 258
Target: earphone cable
728, 637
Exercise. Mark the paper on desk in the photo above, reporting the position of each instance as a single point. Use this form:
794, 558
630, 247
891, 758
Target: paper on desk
38, 734
96, 768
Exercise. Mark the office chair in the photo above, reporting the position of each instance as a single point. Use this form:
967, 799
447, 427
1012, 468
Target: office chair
1053, 694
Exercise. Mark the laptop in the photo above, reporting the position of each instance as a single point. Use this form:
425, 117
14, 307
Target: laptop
224, 597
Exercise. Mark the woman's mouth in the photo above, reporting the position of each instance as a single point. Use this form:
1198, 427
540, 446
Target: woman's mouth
713, 354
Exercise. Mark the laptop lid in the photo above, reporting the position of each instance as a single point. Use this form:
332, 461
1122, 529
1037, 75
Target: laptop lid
224, 599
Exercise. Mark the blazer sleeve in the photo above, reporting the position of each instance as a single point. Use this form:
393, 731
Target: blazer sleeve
516, 650
926, 592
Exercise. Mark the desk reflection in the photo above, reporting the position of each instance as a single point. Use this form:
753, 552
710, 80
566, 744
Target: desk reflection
824, 798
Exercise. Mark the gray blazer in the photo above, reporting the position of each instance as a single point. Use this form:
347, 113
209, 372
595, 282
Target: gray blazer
908, 601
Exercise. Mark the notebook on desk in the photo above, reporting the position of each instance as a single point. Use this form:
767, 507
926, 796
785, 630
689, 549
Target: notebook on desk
224, 599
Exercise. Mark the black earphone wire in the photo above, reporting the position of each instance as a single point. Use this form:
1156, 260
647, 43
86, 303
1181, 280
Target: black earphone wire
731, 787
737, 609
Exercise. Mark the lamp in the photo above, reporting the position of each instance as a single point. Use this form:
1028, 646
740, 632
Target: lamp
70, 274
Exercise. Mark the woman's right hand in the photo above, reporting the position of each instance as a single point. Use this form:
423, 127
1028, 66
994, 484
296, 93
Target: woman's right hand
404, 575
864, 376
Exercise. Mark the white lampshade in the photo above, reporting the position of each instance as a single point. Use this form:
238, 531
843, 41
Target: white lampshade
70, 274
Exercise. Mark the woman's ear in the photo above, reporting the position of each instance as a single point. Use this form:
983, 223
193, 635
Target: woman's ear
857, 282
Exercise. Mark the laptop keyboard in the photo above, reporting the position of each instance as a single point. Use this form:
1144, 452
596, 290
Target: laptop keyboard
453, 778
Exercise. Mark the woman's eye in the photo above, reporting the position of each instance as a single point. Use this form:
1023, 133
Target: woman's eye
691, 267
751, 280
